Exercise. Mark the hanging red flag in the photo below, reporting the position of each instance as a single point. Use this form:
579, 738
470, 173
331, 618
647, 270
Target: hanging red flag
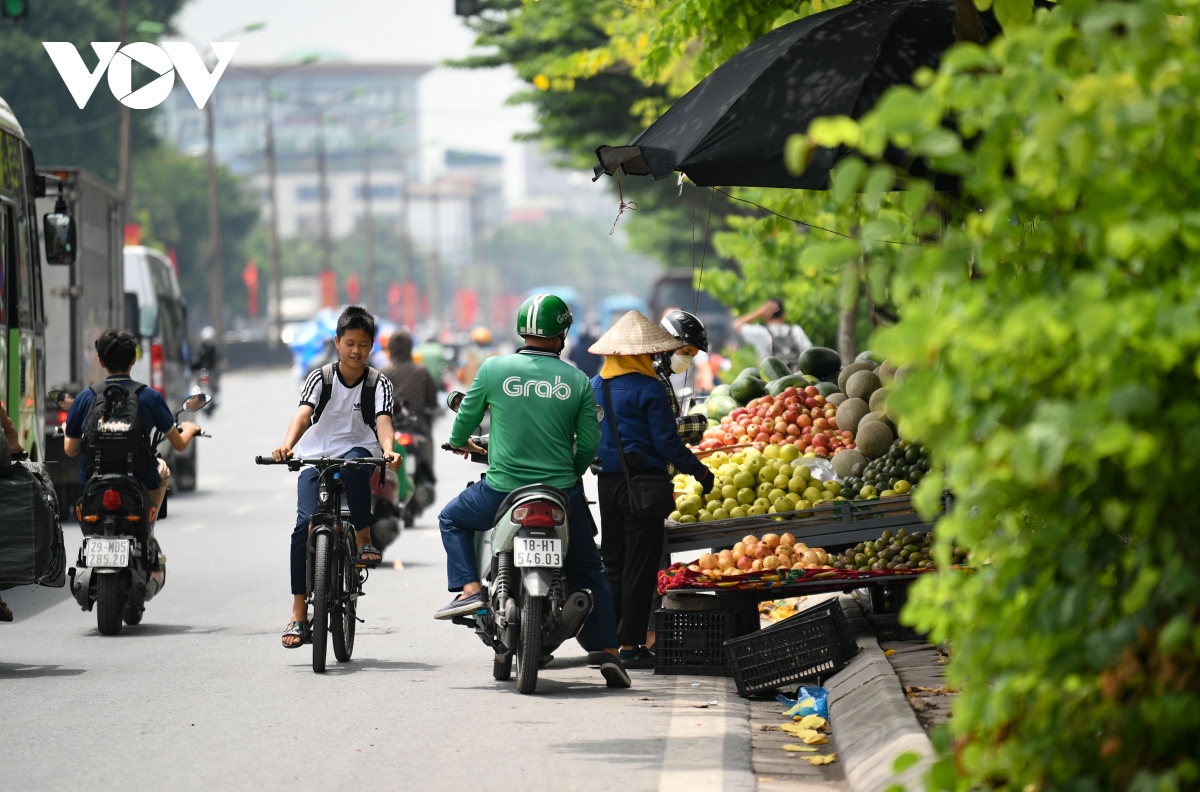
410, 305
393, 301
133, 234
250, 278
353, 291
467, 302
329, 291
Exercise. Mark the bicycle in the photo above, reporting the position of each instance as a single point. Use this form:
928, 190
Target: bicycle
335, 578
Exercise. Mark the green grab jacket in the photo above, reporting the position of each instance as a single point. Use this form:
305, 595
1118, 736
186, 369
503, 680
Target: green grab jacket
544, 427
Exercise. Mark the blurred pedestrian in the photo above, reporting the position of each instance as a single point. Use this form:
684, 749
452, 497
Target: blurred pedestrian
412, 386
775, 337
639, 443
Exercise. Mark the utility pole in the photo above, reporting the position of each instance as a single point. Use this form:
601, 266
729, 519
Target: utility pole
273, 197
216, 279
368, 224
406, 238
124, 180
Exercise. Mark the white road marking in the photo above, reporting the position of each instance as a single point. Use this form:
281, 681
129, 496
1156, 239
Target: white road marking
695, 755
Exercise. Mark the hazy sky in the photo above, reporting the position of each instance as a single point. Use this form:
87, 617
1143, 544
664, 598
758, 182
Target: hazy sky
458, 108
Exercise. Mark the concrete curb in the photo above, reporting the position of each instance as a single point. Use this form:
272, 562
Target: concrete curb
871, 718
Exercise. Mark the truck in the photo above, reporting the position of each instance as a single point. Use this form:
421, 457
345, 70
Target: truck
82, 299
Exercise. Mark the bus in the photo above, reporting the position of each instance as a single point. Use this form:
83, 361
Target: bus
22, 315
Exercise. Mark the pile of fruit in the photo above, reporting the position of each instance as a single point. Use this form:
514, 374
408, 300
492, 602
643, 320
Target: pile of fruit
894, 473
800, 418
772, 552
901, 551
751, 483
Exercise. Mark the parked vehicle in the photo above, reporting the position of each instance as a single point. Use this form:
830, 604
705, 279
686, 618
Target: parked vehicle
530, 610
120, 565
162, 329
335, 579
83, 298
22, 313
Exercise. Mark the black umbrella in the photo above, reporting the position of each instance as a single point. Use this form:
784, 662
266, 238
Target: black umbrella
731, 129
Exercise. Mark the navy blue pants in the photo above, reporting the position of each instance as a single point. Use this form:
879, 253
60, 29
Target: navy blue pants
357, 485
474, 511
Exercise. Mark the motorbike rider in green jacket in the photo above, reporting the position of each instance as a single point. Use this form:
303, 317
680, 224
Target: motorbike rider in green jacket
544, 430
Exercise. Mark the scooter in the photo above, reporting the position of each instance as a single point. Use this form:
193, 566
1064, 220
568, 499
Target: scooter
529, 610
120, 565
418, 486
387, 504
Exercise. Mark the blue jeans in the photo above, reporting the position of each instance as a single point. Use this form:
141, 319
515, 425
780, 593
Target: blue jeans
357, 485
474, 511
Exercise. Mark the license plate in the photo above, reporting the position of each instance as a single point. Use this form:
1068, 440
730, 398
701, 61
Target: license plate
107, 553
538, 552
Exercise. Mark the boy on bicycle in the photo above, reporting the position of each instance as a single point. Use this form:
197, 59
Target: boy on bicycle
333, 421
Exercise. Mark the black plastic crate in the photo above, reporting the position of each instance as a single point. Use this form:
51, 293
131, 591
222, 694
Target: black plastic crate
692, 642
810, 646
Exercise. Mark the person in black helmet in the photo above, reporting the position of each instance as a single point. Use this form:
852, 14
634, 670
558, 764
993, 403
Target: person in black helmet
690, 330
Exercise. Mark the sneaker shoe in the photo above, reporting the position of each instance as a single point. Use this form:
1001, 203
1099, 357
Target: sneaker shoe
641, 659
614, 673
596, 659
460, 607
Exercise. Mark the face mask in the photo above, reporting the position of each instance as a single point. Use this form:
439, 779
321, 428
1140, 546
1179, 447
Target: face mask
680, 363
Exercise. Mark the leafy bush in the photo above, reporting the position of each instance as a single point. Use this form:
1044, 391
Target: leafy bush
1054, 334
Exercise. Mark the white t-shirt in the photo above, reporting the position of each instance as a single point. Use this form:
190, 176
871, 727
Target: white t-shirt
785, 341
341, 426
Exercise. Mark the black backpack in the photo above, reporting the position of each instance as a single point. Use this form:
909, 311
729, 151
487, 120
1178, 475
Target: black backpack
115, 440
370, 383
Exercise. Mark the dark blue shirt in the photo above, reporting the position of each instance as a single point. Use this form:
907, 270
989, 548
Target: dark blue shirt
155, 415
647, 425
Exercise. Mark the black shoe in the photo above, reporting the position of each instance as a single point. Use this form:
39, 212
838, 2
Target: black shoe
460, 607
614, 673
640, 659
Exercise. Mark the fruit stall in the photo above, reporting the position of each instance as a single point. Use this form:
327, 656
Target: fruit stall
813, 489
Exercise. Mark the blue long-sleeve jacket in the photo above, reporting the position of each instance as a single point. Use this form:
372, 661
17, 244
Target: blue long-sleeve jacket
647, 427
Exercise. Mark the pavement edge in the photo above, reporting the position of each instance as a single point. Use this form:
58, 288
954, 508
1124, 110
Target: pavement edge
871, 716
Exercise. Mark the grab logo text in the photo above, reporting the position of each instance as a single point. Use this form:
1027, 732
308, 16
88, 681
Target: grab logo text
163, 59
515, 386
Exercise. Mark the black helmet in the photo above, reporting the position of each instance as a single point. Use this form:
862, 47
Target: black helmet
687, 328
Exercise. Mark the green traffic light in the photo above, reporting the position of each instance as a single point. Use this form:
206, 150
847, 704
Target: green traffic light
15, 9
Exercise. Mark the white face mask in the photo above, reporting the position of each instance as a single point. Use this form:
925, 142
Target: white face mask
680, 363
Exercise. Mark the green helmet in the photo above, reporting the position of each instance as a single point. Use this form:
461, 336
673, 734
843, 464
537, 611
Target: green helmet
544, 316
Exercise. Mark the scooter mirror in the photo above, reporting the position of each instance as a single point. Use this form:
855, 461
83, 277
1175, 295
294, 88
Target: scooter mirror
454, 399
195, 402
63, 399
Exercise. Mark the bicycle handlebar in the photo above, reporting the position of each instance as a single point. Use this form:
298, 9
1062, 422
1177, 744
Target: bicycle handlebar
323, 462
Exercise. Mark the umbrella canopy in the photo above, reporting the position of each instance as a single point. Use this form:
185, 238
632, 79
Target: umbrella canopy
731, 129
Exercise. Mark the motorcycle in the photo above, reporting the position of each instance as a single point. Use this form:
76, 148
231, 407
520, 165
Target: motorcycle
120, 566
203, 381
387, 504
418, 486
529, 609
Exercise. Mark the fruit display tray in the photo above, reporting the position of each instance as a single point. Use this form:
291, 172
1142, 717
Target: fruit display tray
833, 524
679, 577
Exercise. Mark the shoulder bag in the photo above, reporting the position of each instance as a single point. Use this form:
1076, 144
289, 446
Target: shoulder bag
647, 489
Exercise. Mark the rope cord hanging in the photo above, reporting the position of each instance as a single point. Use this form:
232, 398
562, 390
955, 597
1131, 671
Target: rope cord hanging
622, 206
810, 225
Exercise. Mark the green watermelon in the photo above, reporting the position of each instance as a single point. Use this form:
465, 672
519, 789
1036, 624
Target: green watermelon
821, 362
827, 389
776, 387
751, 372
719, 407
773, 368
720, 390
745, 388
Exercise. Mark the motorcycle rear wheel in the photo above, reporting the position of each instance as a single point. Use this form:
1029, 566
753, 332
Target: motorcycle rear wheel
110, 591
529, 653
320, 624
343, 617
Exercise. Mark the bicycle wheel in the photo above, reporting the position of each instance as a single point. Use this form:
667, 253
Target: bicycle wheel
320, 624
529, 653
342, 619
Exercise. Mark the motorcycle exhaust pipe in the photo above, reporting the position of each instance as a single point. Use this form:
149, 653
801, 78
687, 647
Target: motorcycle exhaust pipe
81, 586
574, 613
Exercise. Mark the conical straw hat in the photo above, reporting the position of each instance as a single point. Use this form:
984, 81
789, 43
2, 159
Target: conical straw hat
634, 334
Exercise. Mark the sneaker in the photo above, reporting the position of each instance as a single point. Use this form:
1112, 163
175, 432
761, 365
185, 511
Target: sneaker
596, 659
614, 673
641, 659
460, 607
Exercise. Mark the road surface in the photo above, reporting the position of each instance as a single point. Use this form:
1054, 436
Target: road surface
201, 695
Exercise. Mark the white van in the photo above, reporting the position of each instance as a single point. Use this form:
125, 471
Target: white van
164, 360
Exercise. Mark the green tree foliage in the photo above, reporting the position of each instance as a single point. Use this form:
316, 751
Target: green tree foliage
170, 202
61, 133
1053, 330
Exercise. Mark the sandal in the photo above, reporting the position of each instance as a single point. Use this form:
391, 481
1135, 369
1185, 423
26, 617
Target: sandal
298, 629
6, 614
369, 549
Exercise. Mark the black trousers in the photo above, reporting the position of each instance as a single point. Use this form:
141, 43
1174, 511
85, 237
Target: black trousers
631, 544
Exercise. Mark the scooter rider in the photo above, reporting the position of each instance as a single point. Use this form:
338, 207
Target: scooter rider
544, 430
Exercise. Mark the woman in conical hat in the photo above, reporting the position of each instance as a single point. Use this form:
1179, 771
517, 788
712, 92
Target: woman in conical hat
635, 408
